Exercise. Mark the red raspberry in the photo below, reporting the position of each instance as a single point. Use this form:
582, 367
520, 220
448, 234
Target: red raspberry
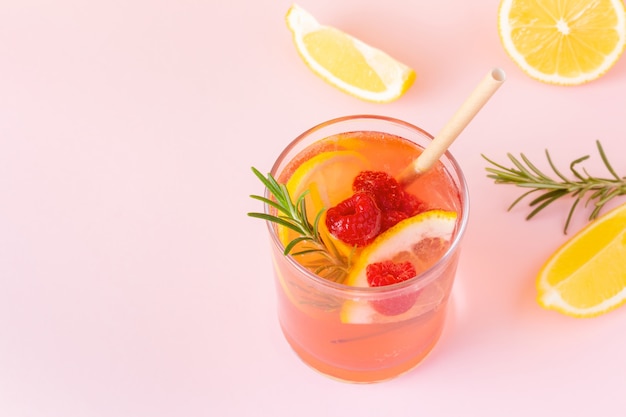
391, 218
387, 273
355, 221
395, 203
411, 205
386, 190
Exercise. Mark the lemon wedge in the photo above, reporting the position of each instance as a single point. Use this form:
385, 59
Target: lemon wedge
346, 62
586, 276
565, 42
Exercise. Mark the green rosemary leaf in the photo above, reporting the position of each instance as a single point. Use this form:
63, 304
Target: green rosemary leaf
606, 162
316, 223
543, 201
570, 215
274, 204
576, 162
502, 176
502, 167
520, 167
520, 198
539, 208
268, 181
308, 251
294, 242
536, 170
277, 220
554, 168
550, 196
609, 194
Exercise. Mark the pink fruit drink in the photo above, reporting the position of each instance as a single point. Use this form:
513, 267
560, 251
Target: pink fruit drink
373, 331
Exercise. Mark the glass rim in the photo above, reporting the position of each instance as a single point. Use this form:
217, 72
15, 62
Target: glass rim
421, 279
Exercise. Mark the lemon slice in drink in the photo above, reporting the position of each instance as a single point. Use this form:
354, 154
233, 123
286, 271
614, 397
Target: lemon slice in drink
422, 240
346, 62
328, 178
565, 42
586, 276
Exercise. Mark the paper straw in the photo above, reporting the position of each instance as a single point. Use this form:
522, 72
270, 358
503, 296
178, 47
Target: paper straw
472, 105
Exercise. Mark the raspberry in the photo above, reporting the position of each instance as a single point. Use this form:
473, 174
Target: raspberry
391, 218
395, 203
387, 273
411, 205
387, 192
355, 221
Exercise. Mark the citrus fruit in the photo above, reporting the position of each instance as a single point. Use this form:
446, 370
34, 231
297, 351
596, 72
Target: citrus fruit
328, 178
346, 62
587, 275
565, 42
421, 240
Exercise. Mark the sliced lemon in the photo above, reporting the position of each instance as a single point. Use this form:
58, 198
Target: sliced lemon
421, 240
328, 178
565, 42
346, 62
586, 276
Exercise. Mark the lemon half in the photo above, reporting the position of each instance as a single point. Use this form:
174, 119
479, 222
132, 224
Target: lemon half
565, 42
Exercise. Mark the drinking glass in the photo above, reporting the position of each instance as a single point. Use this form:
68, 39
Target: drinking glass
332, 326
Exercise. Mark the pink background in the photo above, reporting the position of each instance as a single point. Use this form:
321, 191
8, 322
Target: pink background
132, 283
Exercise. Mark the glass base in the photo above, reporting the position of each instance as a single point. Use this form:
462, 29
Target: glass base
362, 376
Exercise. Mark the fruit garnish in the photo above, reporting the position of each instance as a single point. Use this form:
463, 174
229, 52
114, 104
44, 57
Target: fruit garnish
346, 62
390, 218
323, 257
395, 203
388, 273
525, 174
386, 191
563, 42
586, 276
324, 177
378, 203
420, 240
355, 221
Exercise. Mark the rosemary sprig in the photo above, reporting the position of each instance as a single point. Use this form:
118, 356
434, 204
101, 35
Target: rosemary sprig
293, 215
585, 186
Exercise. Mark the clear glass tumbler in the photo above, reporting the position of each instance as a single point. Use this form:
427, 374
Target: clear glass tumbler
333, 327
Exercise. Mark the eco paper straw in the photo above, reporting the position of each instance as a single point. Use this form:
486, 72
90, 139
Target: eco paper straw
472, 105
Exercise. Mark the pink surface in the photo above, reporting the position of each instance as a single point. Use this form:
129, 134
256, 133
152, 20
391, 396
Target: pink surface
132, 283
